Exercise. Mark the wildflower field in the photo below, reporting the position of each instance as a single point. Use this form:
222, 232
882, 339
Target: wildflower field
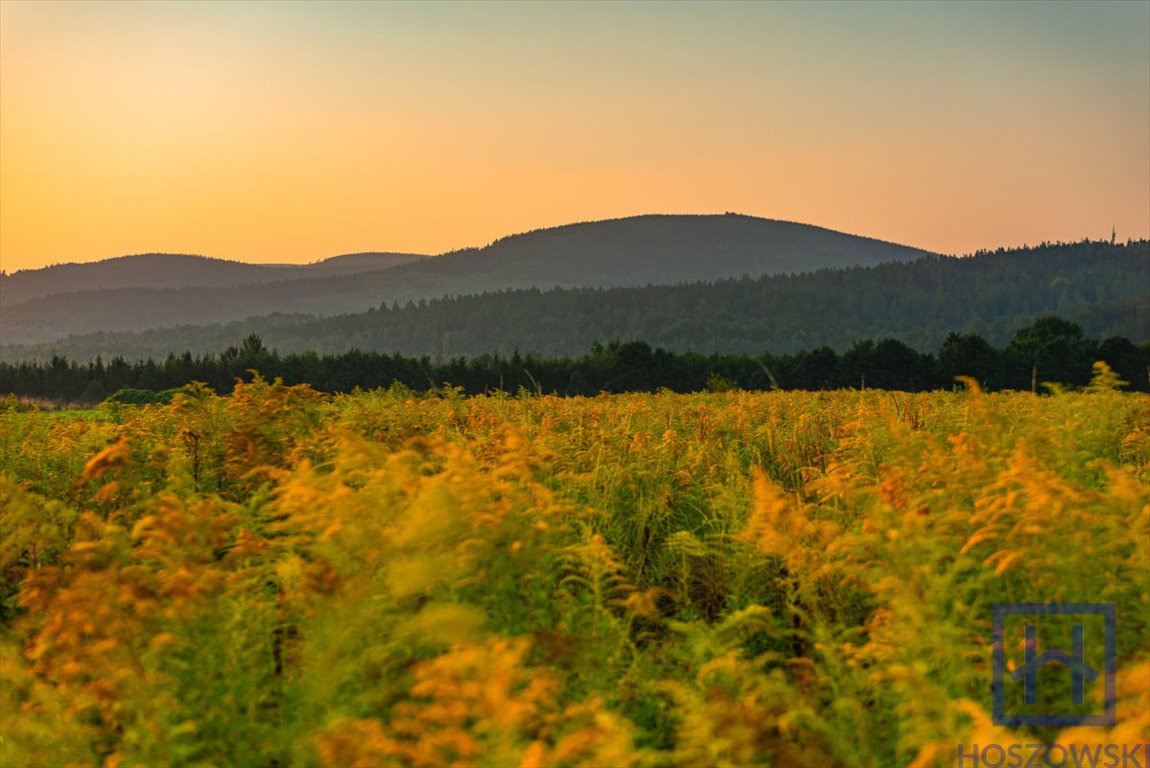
284, 578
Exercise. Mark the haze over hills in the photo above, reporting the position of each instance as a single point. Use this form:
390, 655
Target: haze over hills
178, 270
636, 251
1100, 286
368, 261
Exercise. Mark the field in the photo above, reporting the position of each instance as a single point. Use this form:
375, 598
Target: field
283, 578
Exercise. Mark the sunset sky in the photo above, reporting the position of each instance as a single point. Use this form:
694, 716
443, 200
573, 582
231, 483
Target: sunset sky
290, 132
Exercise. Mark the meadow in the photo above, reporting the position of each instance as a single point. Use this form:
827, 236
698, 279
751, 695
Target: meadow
284, 578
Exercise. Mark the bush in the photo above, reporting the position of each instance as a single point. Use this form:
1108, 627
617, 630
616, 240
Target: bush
131, 396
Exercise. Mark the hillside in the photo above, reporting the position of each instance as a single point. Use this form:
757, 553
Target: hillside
368, 261
637, 251
1100, 286
663, 250
176, 270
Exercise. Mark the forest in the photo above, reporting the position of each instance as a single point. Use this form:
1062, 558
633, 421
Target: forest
1101, 287
1051, 351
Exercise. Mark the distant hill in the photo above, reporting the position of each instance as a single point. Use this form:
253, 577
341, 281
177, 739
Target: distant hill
176, 270
1100, 286
662, 250
368, 261
642, 250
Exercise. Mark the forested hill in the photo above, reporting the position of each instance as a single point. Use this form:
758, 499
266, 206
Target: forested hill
663, 250
177, 270
1101, 287
621, 252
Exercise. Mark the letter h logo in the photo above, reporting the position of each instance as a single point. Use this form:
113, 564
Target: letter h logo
1075, 661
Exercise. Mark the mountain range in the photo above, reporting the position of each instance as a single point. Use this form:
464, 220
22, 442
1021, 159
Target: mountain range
136, 293
709, 284
1100, 286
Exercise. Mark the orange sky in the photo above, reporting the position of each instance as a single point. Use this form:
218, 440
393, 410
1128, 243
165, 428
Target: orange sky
295, 131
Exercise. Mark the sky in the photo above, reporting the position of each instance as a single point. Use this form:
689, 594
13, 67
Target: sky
295, 131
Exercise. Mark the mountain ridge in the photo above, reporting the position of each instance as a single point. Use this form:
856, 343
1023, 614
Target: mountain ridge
1096, 284
175, 270
656, 249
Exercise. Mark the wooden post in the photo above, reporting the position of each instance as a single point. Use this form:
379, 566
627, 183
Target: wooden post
766, 370
538, 389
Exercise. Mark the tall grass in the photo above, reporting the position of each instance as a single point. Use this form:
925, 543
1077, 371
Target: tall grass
281, 578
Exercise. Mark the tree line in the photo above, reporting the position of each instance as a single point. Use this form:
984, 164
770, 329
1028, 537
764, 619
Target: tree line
1051, 350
